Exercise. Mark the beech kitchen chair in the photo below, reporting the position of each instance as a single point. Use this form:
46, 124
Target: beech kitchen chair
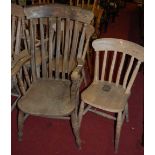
113, 80
55, 92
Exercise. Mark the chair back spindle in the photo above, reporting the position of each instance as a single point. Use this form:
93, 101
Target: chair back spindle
17, 29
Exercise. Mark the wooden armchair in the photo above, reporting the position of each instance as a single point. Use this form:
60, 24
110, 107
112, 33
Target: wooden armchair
18, 44
113, 80
54, 93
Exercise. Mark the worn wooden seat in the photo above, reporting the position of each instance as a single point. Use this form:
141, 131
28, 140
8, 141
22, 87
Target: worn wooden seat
105, 95
113, 80
55, 92
48, 98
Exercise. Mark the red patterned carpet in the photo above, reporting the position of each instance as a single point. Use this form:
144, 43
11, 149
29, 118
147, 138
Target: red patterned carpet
44, 136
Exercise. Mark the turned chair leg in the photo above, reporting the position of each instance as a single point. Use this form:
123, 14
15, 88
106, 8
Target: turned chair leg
75, 126
20, 125
118, 130
126, 113
81, 109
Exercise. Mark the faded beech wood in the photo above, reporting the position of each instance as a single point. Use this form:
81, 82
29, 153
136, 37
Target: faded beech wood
17, 31
17, 52
98, 11
53, 94
94, 7
109, 95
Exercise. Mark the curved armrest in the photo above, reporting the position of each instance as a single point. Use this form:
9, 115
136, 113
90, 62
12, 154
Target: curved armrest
19, 61
76, 74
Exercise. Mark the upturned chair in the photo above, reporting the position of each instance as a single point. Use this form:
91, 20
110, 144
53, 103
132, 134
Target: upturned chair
54, 93
113, 80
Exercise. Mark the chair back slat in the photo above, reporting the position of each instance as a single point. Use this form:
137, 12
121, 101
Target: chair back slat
77, 3
85, 48
70, 34
51, 48
74, 44
96, 72
24, 33
112, 66
43, 57
66, 49
13, 29
32, 49
134, 74
18, 37
127, 69
120, 69
81, 42
104, 66
128, 72
28, 39
58, 43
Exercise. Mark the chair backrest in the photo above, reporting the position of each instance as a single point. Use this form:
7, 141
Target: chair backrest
59, 56
42, 1
17, 29
121, 61
85, 4
94, 6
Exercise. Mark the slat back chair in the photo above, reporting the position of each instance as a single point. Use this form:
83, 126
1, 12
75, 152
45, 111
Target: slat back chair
113, 80
18, 44
17, 30
54, 93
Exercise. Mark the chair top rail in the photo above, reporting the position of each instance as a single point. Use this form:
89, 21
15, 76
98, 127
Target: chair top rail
120, 45
59, 10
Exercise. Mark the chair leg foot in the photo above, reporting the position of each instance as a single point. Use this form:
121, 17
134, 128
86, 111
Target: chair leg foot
118, 130
75, 126
20, 125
